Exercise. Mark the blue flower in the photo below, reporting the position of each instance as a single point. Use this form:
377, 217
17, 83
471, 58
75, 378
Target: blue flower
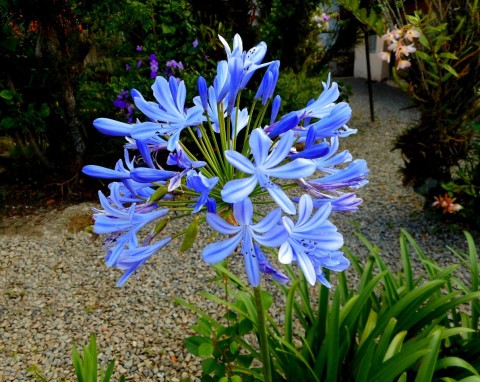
120, 172
201, 184
122, 224
347, 202
269, 82
266, 166
268, 232
267, 268
181, 159
353, 176
169, 112
132, 259
313, 241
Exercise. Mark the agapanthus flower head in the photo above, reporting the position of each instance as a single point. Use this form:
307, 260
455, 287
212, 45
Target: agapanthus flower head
268, 182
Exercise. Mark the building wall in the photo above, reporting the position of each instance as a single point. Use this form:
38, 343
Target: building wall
378, 68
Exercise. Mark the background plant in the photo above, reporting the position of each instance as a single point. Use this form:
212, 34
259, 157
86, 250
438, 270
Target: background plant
443, 80
401, 326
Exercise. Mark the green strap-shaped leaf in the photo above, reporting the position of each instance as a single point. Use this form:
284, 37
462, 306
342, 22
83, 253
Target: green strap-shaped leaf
429, 360
456, 362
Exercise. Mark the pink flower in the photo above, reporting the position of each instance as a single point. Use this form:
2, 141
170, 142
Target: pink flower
325, 17
405, 49
411, 33
393, 46
403, 64
384, 56
391, 36
397, 32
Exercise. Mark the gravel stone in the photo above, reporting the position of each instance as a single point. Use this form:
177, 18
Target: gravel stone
55, 290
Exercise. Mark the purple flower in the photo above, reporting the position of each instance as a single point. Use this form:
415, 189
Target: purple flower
153, 65
139, 63
176, 65
127, 67
325, 17
195, 43
138, 48
267, 232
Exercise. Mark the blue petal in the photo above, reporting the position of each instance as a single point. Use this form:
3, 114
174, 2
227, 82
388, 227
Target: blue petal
313, 152
282, 200
277, 101
147, 175
239, 161
319, 218
126, 276
287, 123
285, 253
220, 225
273, 238
257, 53
305, 208
243, 212
164, 96
113, 128
103, 172
145, 152
235, 68
280, 151
203, 92
353, 175
251, 263
147, 130
216, 252
151, 109
268, 222
260, 145
238, 189
299, 168
307, 267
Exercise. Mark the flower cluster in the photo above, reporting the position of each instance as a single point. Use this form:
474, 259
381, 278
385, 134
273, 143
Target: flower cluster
233, 168
153, 65
123, 103
447, 203
400, 42
171, 66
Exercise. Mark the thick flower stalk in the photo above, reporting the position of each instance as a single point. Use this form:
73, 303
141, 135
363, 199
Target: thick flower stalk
269, 184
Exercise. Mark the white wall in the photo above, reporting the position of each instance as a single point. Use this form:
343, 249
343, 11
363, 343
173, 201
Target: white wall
378, 68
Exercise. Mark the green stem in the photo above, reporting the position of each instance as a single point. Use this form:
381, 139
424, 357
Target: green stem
262, 333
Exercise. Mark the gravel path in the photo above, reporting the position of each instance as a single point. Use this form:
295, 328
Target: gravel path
55, 290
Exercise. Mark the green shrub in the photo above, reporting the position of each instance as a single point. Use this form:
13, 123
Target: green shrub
392, 326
